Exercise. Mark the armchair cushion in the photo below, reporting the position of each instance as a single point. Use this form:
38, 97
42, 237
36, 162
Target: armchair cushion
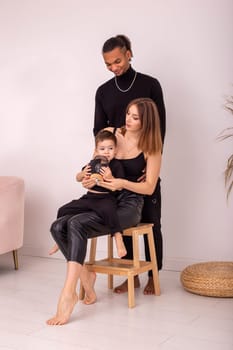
11, 213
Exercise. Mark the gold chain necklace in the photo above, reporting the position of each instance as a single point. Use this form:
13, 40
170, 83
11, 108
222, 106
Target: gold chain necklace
118, 87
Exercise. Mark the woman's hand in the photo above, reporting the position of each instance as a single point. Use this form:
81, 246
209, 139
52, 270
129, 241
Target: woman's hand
84, 173
112, 184
88, 182
87, 171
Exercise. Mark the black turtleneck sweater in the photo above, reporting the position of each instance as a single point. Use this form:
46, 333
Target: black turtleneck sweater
111, 103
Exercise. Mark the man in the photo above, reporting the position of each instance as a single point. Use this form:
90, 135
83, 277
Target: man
111, 101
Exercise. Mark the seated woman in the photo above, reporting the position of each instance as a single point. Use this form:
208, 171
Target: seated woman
139, 148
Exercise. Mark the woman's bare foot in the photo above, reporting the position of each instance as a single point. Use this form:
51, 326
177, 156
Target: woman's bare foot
123, 288
149, 288
121, 250
54, 249
90, 295
65, 307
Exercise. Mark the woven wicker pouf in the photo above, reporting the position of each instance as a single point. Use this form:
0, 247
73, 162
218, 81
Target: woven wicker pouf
214, 279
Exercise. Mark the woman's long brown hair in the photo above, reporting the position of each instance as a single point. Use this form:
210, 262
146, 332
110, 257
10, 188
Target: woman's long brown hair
150, 140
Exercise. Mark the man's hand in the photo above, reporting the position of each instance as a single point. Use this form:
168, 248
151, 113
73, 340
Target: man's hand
143, 177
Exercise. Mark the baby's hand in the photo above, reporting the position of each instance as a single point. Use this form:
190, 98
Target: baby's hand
106, 173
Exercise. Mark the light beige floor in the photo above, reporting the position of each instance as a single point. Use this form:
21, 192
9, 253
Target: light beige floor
176, 320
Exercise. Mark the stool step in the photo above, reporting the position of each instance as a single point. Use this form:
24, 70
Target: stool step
121, 267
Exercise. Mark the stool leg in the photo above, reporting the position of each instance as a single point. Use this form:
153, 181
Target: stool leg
155, 272
131, 297
110, 256
136, 262
93, 250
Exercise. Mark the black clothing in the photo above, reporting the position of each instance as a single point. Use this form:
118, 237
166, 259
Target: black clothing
111, 103
72, 232
151, 213
133, 168
117, 172
91, 216
110, 110
104, 204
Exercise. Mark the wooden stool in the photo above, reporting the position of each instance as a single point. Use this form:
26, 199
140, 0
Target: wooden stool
124, 267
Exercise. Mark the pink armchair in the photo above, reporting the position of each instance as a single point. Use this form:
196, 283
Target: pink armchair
11, 215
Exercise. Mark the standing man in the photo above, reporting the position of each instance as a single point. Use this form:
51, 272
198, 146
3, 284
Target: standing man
111, 101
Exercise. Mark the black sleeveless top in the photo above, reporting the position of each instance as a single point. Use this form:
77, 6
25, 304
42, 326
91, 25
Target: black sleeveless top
134, 167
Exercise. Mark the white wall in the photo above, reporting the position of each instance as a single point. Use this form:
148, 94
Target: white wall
50, 67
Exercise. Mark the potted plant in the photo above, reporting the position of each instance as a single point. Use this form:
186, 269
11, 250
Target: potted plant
225, 134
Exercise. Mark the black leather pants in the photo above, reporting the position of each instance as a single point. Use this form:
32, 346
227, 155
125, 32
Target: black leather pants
151, 212
72, 232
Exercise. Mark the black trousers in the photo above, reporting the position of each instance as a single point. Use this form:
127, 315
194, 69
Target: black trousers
71, 232
151, 213
104, 204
